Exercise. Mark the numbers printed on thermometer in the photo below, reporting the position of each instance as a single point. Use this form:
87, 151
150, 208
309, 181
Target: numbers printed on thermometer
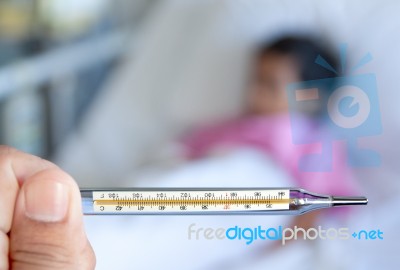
191, 201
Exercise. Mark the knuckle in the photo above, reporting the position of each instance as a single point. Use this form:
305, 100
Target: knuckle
4, 244
8, 153
48, 256
5, 152
6, 148
41, 255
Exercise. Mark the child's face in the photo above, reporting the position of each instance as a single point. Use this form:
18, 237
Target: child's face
268, 85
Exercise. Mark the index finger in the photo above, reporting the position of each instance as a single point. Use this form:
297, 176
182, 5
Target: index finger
15, 167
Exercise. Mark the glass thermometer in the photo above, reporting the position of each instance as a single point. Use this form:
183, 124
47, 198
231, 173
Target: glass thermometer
208, 201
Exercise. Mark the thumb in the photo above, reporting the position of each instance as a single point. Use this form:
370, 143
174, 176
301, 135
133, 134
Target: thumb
47, 230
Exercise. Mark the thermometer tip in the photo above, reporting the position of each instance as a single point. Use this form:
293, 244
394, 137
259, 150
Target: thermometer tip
341, 201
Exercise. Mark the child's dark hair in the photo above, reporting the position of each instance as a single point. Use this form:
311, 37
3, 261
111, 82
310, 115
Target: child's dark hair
305, 50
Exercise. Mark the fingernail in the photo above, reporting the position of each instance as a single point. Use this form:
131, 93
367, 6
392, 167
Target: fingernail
46, 200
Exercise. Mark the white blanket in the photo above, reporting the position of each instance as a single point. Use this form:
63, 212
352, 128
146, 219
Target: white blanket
161, 242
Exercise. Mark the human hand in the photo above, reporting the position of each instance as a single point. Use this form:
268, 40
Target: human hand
41, 223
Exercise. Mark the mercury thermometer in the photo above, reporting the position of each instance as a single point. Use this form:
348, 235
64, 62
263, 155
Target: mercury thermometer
208, 201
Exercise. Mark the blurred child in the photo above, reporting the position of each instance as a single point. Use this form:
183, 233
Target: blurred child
265, 124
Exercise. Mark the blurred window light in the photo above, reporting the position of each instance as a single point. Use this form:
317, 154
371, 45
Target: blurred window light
70, 18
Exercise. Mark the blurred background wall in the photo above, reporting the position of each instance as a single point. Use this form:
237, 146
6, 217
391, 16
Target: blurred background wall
54, 58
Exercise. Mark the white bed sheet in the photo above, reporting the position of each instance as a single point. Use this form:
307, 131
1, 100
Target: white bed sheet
161, 242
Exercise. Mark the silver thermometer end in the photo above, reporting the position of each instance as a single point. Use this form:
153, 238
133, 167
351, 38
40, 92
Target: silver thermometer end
344, 201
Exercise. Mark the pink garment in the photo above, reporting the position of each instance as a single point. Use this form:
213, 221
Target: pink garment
273, 136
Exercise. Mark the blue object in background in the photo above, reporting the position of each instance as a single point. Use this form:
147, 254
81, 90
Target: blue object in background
350, 107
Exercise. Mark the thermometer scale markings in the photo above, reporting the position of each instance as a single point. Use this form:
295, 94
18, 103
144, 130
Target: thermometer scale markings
193, 201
